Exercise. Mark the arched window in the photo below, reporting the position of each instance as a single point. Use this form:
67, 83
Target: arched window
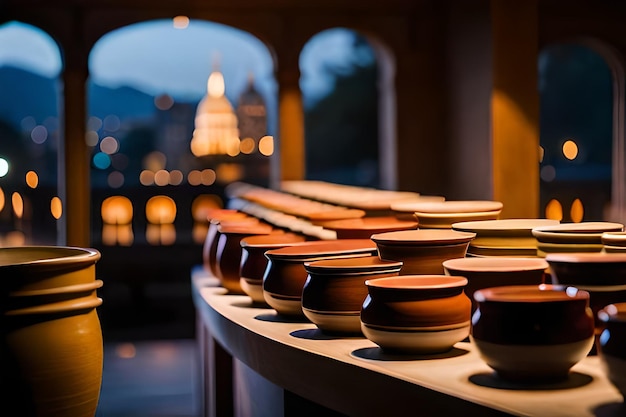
579, 133
342, 93
31, 136
152, 100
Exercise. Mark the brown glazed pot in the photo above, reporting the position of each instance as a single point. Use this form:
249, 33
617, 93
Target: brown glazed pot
228, 252
51, 353
422, 314
532, 333
335, 289
209, 248
285, 275
254, 262
422, 251
612, 344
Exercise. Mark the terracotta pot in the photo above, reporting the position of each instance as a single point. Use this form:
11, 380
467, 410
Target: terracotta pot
422, 251
532, 333
209, 248
335, 289
51, 352
254, 262
442, 214
422, 314
228, 252
285, 275
365, 227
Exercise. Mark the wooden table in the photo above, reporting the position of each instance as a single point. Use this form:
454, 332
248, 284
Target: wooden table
255, 363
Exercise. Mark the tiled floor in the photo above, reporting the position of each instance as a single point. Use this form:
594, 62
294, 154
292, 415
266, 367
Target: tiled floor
150, 379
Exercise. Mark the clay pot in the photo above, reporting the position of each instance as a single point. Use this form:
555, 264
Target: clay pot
254, 262
365, 227
52, 351
209, 248
612, 344
532, 333
423, 314
285, 275
228, 252
442, 214
422, 251
335, 289
495, 271
573, 237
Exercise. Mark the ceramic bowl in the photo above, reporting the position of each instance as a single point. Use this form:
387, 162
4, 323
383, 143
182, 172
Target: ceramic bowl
422, 251
503, 237
443, 214
254, 262
532, 333
209, 247
365, 227
614, 241
335, 289
419, 314
612, 344
573, 237
495, 271
603, 275
285, 276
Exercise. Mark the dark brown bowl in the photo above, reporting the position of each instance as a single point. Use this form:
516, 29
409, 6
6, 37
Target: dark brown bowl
532, 333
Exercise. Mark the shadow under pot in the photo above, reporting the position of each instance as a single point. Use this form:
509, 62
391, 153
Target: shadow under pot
335, 289
285, 275
416, 314
532, 333
254, 262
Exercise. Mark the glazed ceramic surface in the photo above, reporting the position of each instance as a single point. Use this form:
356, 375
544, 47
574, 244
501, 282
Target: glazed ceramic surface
51, 337
364, 228
422, 251
573, 237
612, 343
335, 289
614, 241
422, 314
209, 249
503, 237
254, 262
532, 333
496, 271
285, 275
441, 215
228, 253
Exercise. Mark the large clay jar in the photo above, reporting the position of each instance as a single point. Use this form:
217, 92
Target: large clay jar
51, 352
335, 290
423, 314
228, 253
285, 274
254, 262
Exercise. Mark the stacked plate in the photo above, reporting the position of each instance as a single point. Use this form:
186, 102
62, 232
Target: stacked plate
614, 242
573, 237
442, 214
505, 237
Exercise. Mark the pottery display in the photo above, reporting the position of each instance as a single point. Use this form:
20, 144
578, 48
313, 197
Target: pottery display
495, 271
365, 227
422, 251
335, 289
253, 260
52, 352
285, 276
442, 214
418, 314
228, 251
612, 344
573, 237
503, 237
603, 275
532, 333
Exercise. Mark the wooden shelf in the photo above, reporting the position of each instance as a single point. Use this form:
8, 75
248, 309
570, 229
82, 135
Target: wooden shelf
352, 376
